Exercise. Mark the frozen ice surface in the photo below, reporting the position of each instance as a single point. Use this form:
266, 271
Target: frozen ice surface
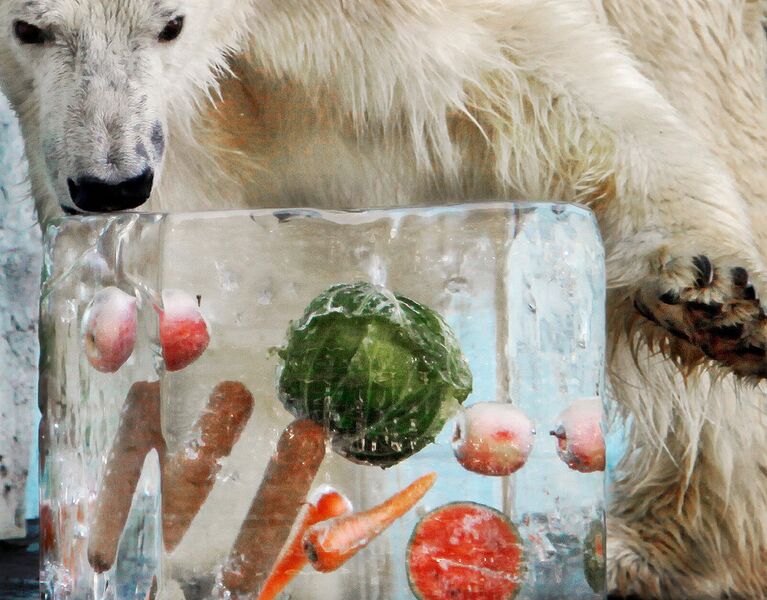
522, 286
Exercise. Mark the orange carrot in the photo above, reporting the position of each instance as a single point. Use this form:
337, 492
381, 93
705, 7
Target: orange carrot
330, 502
189, 474
331, 543
325, 504
271, 516
138, 432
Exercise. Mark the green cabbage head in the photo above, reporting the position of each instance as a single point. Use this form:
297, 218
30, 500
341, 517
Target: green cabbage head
383, 373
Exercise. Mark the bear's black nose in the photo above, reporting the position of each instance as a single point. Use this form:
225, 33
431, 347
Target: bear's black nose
94, 195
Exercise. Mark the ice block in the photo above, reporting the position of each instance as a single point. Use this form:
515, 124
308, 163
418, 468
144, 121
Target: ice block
520, 286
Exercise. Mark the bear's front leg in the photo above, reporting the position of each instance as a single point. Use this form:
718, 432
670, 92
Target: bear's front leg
681, 255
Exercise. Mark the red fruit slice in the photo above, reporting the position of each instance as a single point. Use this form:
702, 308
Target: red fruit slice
465, 550
183, 332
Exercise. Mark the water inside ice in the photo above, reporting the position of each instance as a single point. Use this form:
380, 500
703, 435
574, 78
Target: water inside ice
521, 285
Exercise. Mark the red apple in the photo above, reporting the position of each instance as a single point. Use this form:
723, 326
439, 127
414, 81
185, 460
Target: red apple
109, 329
183, 332
580, 443
493, 438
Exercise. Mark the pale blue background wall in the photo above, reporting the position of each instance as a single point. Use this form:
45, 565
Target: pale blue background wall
19, 277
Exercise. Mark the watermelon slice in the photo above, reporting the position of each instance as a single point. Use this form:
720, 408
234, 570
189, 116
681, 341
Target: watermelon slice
465, 550
594, 557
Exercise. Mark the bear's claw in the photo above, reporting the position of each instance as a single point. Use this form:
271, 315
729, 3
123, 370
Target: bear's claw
713, 307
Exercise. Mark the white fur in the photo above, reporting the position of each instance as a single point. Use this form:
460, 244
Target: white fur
652, 112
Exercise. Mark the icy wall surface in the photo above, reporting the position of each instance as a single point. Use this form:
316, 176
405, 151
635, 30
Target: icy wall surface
20, 253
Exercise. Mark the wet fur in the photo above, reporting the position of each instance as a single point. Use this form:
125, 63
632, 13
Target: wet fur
652, 112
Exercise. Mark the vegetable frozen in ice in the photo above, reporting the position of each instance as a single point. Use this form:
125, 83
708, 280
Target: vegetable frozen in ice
382, 372
580, 443
331, 543
109, 329
137, 434
325, 503
274, 509
493, 438
184, 333
189, 473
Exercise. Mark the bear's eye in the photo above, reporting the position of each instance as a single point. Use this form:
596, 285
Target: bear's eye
172, 29
27, 33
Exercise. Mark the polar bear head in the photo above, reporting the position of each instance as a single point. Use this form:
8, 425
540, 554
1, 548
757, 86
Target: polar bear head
93, 83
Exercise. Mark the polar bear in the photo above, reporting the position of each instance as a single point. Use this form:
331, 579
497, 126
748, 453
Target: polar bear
651, 112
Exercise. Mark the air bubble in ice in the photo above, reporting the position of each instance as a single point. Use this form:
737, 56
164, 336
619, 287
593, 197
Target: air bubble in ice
228, 280
265, 297
395, 225
457, 285
70, 311
361, 252
233, 476
377, 271
81, 532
